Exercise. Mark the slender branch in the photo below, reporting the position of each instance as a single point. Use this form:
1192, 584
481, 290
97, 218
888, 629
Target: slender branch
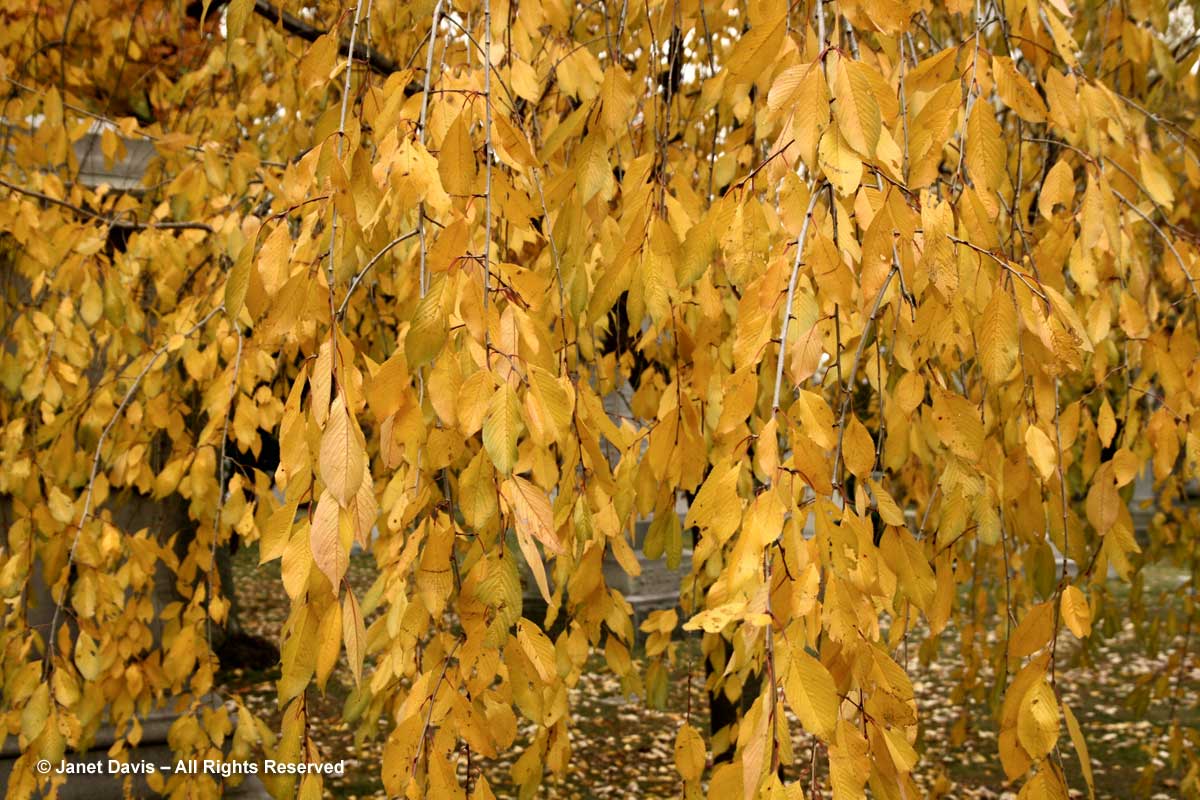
378, 62
1166, 240
341, 142
387, 248
791, 293
487, 156
432, 699
1012, 270
112, 222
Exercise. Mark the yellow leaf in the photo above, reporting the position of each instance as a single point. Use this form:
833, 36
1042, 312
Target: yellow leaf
297, 558
855, 106
1080, 743
717, 509
986, 156
531, 510
959, 426
91, 303
616, 98
329, 643
1076, 612
715, 620
502, 427
456, 161
1037, 721
364, 510
906, 557
998, 337
239, 280
1125, 466
524, 80
812, 694
1042, 451
1156, 179
756, 49
321, 384
841, 165
689, 753
36, 712
1057, 190
555, 398
1033, 632
593, 171
342, 457
1017, 92
273, 264
1103, 504
858, 448
902, 753
354, 631
1106, 425
473, 398
428, 332
538, 649
236, 18
477, 492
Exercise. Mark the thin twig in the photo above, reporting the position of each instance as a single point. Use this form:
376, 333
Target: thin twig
791, 292
387, 248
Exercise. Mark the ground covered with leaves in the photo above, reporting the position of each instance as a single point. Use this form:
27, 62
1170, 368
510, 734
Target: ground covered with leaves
624, 749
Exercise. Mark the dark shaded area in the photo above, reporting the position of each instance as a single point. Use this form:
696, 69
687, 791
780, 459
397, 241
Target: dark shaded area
241, 650
291, 24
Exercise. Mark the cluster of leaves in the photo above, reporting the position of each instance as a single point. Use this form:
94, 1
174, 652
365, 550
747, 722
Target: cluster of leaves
903, 299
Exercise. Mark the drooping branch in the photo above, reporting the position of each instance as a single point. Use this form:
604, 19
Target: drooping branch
112, 222
378, 62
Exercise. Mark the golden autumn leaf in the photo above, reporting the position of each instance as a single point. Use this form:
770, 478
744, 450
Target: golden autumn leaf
566, 314
1042, 451
341, 459
812, 695
689, 753
330, 539
1075, 612
1033, 632
501, 428
1037, 720
855, 106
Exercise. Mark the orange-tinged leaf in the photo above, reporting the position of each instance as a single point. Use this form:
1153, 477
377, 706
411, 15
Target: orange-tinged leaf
1033, 632
1042, 451
1076, 612
531, 511
342, 458
330, 553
